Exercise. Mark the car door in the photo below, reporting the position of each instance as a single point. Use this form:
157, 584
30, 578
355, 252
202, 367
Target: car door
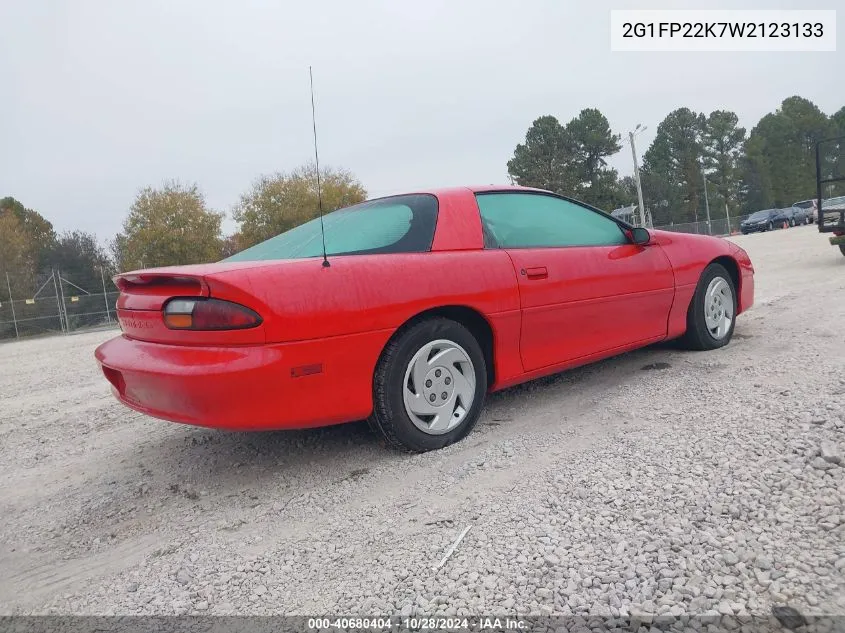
584, 287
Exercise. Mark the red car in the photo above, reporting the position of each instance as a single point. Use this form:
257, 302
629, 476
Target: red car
425, 303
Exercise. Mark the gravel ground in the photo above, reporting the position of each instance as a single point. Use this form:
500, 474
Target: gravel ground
660, 482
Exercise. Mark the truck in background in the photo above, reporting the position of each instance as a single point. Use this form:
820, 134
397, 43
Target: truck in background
830, 179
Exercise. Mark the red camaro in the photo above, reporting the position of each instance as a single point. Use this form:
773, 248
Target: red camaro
425, 303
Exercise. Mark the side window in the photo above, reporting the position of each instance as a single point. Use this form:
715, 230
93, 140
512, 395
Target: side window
532, 220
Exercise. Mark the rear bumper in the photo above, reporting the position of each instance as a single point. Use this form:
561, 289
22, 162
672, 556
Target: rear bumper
250, 387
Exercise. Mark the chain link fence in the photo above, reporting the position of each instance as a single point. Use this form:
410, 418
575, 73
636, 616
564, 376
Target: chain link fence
58, 306
719, 227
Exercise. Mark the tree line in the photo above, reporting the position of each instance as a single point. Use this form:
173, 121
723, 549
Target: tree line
772, 166
30, 248
167, 225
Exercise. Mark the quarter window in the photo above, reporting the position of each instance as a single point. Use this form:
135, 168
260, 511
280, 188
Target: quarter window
399, 224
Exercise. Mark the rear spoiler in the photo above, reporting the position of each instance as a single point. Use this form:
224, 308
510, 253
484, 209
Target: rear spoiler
137, 281
149, 290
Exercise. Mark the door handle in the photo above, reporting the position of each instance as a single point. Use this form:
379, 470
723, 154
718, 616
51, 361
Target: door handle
537, 272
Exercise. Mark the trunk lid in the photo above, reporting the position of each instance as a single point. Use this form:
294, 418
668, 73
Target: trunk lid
149, 291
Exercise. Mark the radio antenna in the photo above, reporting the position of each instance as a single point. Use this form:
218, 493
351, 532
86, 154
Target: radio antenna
326, 263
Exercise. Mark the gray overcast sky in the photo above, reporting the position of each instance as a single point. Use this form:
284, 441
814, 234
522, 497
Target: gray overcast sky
102, 97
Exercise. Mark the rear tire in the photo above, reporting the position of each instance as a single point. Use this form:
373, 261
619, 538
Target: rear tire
714, 301
842, 248
439, 359
771, 226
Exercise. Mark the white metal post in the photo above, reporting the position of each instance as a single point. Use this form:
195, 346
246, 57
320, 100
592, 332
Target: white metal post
105, 294
64, 305
58, 302
62, 301
12, 303
728, 216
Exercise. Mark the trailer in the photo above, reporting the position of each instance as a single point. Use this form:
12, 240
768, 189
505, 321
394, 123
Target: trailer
830, 179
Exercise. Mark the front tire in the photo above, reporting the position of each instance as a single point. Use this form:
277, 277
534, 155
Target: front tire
842, 248
771, 226
429, 386
711, 315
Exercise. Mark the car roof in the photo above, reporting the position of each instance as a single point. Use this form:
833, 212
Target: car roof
486, 188
445, 191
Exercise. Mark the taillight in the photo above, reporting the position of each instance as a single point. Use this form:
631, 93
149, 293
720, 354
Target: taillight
208, 314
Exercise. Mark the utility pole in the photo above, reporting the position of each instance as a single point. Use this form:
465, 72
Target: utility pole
637, 173
706, 201
12, 303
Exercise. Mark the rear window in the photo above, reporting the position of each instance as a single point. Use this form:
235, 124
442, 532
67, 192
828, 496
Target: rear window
399, 224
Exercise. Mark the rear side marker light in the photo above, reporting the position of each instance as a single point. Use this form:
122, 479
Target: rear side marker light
306, 370
208, 314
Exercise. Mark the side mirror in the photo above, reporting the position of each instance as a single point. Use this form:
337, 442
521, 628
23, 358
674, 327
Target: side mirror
639, 235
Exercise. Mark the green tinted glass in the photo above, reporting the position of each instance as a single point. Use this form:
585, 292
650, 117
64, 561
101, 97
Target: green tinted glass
530, 220
402, 224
